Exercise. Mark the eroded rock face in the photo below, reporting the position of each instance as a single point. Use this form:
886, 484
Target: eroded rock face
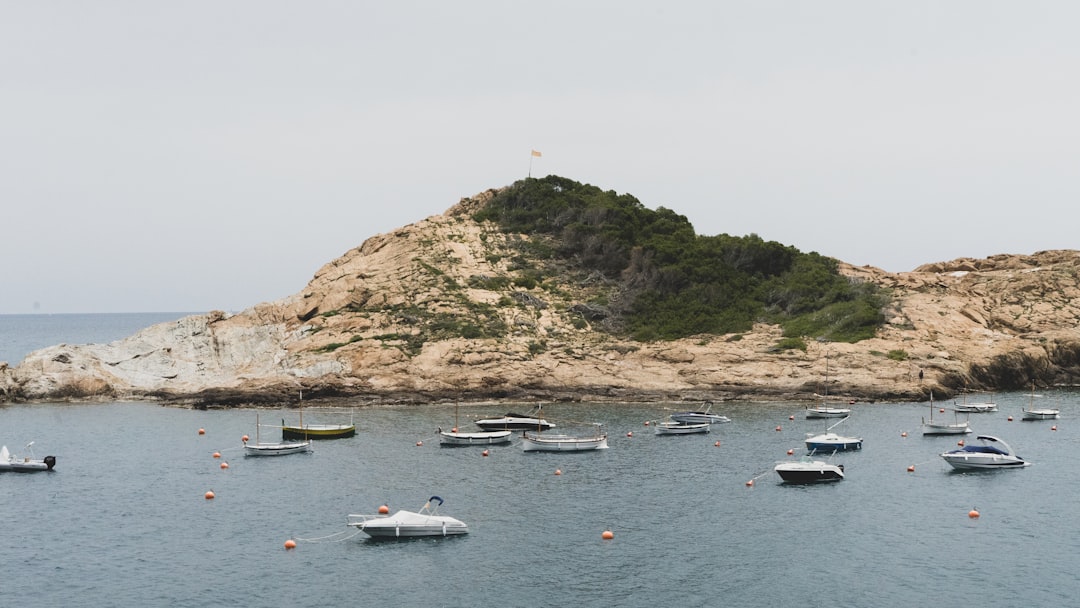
362, 329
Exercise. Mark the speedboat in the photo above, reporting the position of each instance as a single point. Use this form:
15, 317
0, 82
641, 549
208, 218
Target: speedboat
697, 417
992, 454
514, 422
409, 524
674, 427
25, 464
832, 442
807, 470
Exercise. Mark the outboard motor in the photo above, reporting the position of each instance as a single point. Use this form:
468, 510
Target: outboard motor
50, 462
841, 467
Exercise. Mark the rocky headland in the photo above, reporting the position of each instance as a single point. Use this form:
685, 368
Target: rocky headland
353, 333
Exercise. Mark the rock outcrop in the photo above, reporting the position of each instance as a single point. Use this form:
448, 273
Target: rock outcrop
442, 309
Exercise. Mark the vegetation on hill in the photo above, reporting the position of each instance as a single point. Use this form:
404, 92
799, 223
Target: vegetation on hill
666, 282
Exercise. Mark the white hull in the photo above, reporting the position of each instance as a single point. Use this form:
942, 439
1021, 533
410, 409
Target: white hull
24, 464
537, 442
483, 438
1041, 414
809, 471
827, 412
993, 454
675, 428
975, 408
699, 418
277, 449
945, 428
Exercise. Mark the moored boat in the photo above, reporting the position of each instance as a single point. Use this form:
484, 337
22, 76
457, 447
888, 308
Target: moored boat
807, 470
515, 422
938, 427
993, 453
534, 441
700, 416
455, 438
273, 449
832, 442
1033, 413
674, 427
409, 524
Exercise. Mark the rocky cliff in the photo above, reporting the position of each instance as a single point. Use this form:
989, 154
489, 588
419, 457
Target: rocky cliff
442, 309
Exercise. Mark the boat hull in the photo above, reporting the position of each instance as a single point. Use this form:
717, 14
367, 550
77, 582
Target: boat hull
277, 449
24, 464
454, 439
407, 524
809, 472
667, 428
318, 431
699, 418
827, 412
535, 442
514, 423
985, 463
1041, 415
945, 429
831, 442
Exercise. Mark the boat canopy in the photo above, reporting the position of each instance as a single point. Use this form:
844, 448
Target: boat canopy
983, 449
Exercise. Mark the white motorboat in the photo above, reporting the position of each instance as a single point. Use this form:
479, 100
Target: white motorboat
515, 422
807, 470
409, 524
1033, 413
993, 453
273, 449
832, 442
939, 427
674, 427
25, 464
702, 416
533, 441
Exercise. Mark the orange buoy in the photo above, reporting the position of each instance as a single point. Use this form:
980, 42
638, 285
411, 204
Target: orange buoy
960, 443
453, 430
224, 465
217, 454
383, 510
484, 453
629, 433
558, 471
1053, 428
717, 444
911, 469
973, 514
245, 438
791, 417
942, 410
419, 443
209, 495
607, 535
790, 451
778, 427
646, 423
202, 431
750, 483
1010, 418
903, 434
290, 544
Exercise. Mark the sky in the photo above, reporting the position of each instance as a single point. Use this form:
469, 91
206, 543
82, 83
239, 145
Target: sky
212, 155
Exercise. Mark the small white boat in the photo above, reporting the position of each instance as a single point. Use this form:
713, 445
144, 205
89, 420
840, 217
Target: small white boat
1033, 413
409, 524
938, 427
515, 422
674, 427
807, 470
975, 407
274, 449
455, 438
824, 411
533, 441
832, 442
697, 417
992, 454
25, 464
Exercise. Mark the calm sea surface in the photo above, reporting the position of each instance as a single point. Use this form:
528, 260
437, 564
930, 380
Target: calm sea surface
123, 521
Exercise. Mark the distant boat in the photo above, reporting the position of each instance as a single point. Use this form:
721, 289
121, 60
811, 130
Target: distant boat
937, 427
409, 524
674, 427
454, 437
1032, 413
274, 449
534, 441
316, 431
832, 442
807, 470
515, 422
975, 406
822, 410
696, 417
25, 464
994, 453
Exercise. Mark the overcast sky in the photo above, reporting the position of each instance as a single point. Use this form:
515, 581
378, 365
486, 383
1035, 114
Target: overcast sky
199, 155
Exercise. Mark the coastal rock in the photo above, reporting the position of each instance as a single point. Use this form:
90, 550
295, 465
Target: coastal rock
406, 317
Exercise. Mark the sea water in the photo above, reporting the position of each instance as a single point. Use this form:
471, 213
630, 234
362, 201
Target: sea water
123, 520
